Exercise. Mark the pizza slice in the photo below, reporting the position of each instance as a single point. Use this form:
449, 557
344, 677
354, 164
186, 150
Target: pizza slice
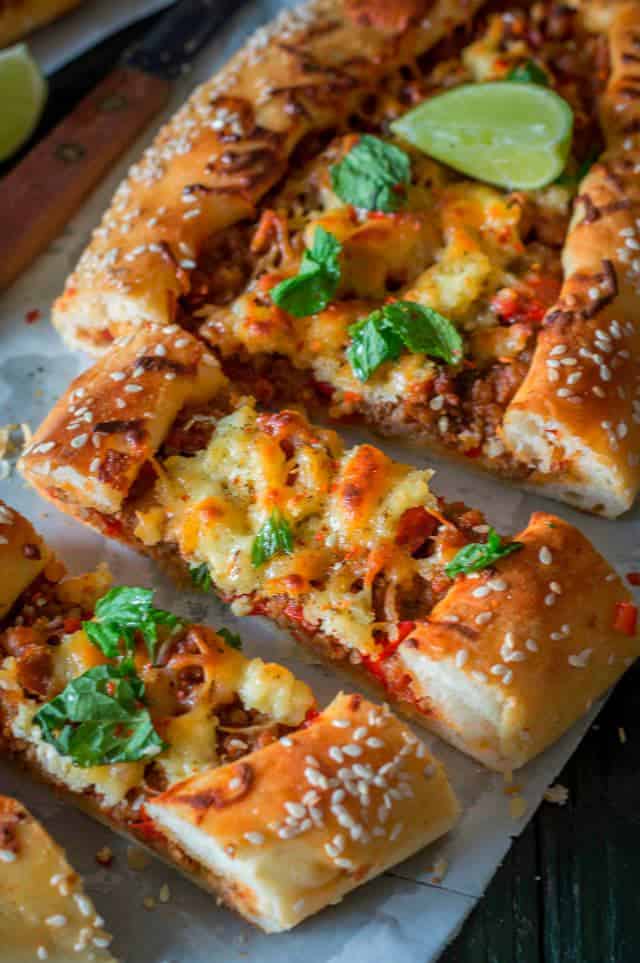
325, 256
221, 764
499, 645
45, 913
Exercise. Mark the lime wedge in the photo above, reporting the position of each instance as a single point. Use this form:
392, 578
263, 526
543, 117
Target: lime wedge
515, 135
23, 92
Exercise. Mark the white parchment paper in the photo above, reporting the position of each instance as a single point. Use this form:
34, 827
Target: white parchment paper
403, 916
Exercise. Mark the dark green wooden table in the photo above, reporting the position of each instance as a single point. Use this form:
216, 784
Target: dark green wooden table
569, 889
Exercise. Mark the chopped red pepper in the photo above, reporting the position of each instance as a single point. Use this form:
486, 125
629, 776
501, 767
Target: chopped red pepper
416, 525
311, 716
625, 618
633, 578
71, 625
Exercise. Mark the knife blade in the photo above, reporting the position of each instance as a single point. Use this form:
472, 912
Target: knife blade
40, 195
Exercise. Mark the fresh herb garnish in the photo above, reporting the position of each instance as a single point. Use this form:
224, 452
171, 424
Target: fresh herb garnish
120, 614
479, 555
572, 180
528, 73
274, 538
231, 638
317, 280
373, 175
99, 718
200, 576
402, 324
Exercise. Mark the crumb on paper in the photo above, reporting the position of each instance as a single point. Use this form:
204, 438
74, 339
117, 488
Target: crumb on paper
512, 790
517, 807
622, 735
439, 870
165, 893
104, 856
14, 439
557, 794
149, 902
137, 859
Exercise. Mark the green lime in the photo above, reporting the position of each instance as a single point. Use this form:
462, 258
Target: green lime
514, 135
23, 92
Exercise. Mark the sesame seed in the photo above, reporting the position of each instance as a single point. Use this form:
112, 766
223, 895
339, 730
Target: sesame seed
344, 863
374, 743
57, 920
7, 856
360, 733
133, 389
256, 839
481, 591
340, 723
483, 617
295, 809
79, 441
42, 953
286, 741
351, 750
555, 587
545, 555
395, 832
498, 585
550, 599
507, 677
117, 376
336, 754
498, 669
462, 657
532, 645
580, 660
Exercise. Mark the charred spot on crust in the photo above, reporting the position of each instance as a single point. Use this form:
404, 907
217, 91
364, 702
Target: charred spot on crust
113, 464
240, 780
157, 363
131, 428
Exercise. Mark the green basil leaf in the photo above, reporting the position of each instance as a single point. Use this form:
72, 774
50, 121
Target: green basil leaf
231, 638
120, 614
274, 538
372, 343
478, 555
528, 73
382, 335
373, 175
424, 331
200, 576
99, 719
317, 280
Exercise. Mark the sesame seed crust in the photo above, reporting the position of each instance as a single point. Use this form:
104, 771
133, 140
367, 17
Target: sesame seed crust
228, 145
578, 424
546, 651
363, 816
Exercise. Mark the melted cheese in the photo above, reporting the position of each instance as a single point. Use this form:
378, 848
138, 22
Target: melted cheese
343, 508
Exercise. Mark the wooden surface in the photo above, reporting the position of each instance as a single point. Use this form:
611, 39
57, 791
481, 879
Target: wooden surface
40, 195
569, 889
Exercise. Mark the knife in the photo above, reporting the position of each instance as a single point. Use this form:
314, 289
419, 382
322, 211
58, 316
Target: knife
40, 195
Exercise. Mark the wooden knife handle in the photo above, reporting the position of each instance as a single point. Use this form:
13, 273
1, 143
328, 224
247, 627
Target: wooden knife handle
41, 194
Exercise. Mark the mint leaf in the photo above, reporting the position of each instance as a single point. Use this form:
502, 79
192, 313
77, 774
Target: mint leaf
382, 335
528, 73
274, 538
372, 344
231, 638
99, 719
120, 614
478, 555
200, 576
317, 280
373, 175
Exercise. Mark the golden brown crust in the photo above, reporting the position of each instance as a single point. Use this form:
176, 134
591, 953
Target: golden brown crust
23, 556
20, 17
538, 634
305, 820
228, 145
43, 908
112, 419
576, 416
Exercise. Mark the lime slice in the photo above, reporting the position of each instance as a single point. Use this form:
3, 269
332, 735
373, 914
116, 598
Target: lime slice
514, 135
23, 92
